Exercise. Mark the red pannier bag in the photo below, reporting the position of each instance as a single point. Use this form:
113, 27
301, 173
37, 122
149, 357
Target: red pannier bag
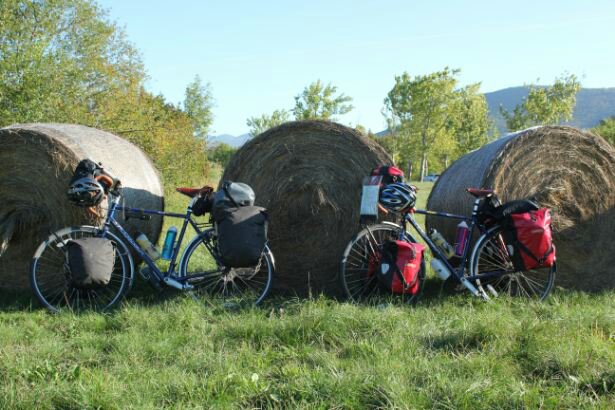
389, 174
400, 267
532, 240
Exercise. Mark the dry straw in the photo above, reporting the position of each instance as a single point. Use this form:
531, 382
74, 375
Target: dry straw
308, 174
36, 163
568, 170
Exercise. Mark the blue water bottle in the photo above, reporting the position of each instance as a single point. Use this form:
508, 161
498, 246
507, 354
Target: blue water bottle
169, 241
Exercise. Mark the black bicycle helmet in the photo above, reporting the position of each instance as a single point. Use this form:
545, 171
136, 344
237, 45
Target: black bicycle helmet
85, 192
398, 197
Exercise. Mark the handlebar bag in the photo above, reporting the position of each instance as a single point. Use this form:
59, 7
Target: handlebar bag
400, 267
242, 234
530, 239
91, 262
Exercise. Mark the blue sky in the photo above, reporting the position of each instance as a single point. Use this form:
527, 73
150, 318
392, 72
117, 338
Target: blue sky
257, 55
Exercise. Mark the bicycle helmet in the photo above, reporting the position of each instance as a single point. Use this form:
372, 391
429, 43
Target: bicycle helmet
85, 192
398, 197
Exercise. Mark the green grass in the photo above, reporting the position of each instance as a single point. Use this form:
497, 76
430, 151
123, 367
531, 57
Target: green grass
450, 351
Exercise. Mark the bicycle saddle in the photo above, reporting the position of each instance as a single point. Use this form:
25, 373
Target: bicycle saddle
480, 192
192, 192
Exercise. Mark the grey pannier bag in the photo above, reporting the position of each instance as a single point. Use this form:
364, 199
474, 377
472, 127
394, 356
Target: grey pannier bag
241, 227
233, 194
91, 262
242, 235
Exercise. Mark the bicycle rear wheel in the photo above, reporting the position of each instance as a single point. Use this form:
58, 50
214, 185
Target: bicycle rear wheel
361, 259
490, 256
50, 277
241, 286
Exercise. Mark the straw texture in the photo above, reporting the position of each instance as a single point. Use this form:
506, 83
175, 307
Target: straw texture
566, 169
308, 174
36, 163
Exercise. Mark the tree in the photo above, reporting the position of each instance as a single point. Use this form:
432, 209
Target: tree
258, 125
221, 153
420, 110
470, 122
544, 105
318, 101
198, 104
606, 129
63, 61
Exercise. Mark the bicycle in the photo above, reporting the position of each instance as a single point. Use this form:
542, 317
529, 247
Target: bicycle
199, 269
485, 267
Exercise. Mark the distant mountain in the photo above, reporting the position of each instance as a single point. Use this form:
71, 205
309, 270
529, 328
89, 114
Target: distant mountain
593, 105
232, 140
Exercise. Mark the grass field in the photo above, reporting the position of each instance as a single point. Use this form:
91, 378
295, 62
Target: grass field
450, 351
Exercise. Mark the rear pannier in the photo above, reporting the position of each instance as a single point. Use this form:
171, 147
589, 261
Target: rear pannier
91, 262
530, 239
241, 227
400, 267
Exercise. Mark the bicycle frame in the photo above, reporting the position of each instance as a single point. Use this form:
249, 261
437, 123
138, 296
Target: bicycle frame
472, 225
168, 277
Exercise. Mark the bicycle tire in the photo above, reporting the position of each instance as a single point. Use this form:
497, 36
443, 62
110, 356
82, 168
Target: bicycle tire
50, 281
490, 253
359, 284
240, 286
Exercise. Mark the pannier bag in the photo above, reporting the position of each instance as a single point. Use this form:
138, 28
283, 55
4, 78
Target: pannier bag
531, 240
242, 234
389, 174
400, 267
91, 262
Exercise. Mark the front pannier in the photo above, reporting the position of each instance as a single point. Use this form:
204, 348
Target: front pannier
400, 267
91, 262
242, 234
530, 239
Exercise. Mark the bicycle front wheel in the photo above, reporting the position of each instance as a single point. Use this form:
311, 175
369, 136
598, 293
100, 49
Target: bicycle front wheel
491, 260
361, 259
50, 277
249, 285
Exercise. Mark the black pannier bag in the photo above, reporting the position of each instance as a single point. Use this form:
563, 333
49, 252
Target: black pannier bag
90, 261
242, 234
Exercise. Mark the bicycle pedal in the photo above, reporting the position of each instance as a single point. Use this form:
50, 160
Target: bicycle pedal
493, 291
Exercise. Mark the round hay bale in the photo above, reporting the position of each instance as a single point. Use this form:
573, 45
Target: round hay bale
568, 170
36, 163
308, 174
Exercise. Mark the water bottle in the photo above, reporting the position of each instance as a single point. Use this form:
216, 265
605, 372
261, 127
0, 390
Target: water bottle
440, 268
148, 247
441, 243
463, 231
169, 241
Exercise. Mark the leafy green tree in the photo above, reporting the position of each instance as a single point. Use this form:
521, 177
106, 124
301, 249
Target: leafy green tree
544, 105
59, 59
64, 61
198, 105
420, 111
258, 125
319, 101
221, 153
471, 123
606, 129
